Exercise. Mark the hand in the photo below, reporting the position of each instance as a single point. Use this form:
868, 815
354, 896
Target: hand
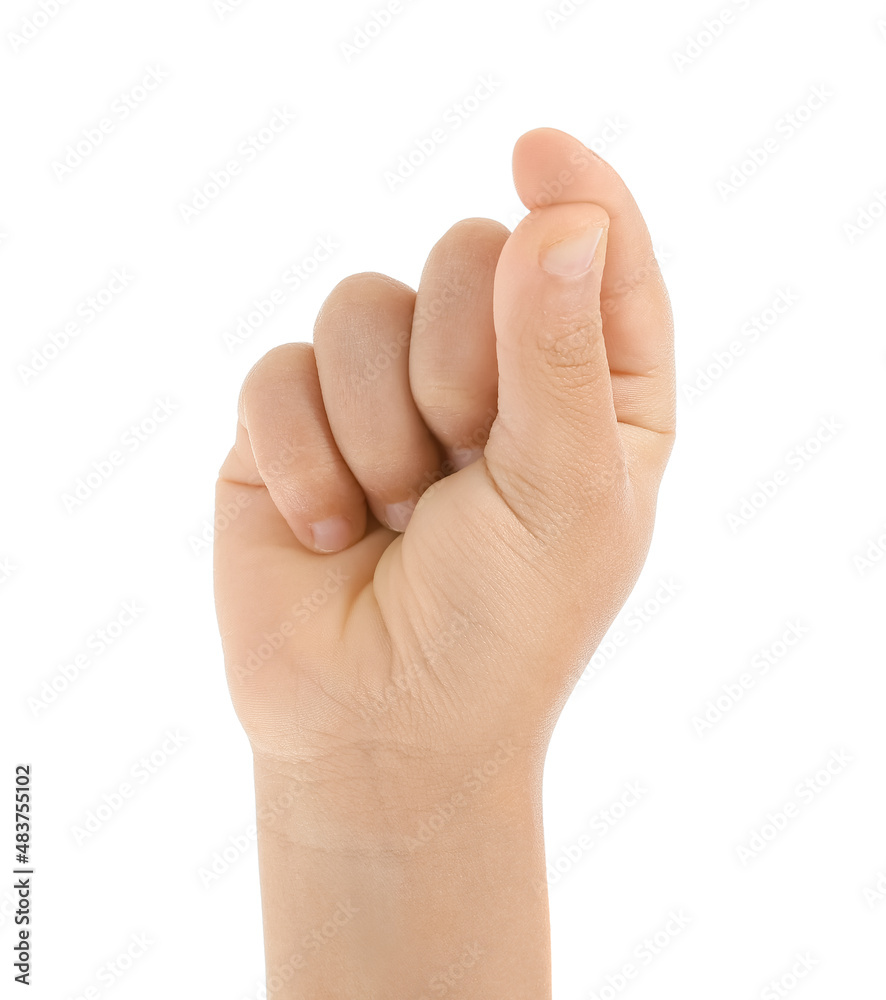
431, 517
518, 428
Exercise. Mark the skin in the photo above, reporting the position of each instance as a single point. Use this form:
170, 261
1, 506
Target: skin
399, 694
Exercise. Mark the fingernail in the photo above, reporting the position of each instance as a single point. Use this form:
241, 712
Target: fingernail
397, 515
573, 255
462, 457
331, 535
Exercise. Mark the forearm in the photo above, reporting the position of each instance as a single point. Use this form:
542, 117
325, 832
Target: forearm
406, 882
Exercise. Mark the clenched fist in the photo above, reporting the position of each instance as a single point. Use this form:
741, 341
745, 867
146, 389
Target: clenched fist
451, 493
442, 505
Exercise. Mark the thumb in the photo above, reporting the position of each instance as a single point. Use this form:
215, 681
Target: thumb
554, 448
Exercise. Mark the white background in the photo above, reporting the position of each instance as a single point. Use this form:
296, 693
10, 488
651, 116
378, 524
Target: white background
676, 129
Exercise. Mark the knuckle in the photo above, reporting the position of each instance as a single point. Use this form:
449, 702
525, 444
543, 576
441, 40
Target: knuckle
572, 346
365, 314
365, 290
478, 228
447, 404
282, 364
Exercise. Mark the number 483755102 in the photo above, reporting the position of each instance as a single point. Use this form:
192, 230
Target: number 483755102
22, 812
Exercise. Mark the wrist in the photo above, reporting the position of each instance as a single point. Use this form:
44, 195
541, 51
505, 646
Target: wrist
393, 802
391, 879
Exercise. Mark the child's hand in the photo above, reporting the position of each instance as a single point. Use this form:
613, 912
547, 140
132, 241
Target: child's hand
550, 429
